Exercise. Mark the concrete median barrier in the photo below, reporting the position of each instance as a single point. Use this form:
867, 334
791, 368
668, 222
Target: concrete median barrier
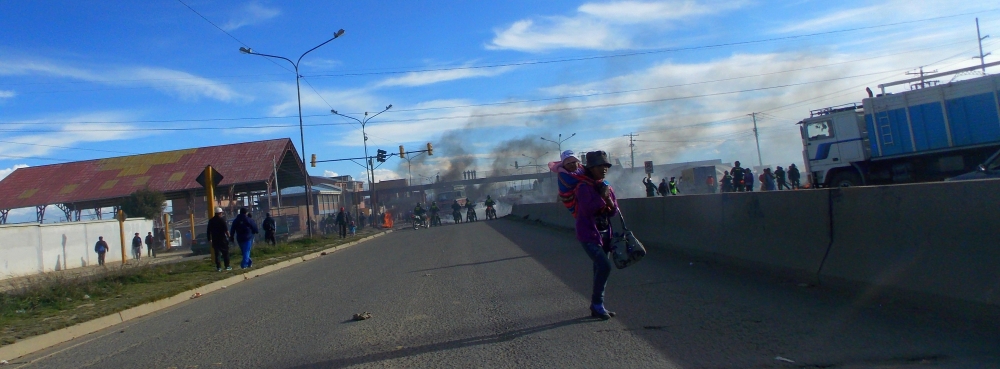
935, 239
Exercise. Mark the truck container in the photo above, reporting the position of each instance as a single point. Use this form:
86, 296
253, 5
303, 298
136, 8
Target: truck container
926, 134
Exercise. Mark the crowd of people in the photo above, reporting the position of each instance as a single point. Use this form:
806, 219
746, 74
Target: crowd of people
740, 179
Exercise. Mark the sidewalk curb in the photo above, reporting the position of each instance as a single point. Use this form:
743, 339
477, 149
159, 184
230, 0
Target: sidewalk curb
44, 341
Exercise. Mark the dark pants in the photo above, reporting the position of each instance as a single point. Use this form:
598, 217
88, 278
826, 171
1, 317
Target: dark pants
343, 230
269, 237
750, 187
602, 269
150, 251
221, 254
781, 183
100, 258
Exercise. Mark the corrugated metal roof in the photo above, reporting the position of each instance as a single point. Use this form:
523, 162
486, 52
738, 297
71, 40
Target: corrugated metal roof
96, 182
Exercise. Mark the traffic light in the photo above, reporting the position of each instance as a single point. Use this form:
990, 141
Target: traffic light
402, 153
314, 161
381, 155
430, 149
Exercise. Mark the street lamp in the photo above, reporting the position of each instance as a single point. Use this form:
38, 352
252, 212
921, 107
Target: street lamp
368, 160
559, 141
302, 135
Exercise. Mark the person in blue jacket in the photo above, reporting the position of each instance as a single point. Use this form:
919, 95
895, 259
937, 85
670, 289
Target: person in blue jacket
243, 230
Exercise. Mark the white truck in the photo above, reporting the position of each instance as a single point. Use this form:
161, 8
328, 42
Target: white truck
922, 135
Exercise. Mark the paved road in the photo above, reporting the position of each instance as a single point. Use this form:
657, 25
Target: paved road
510, 294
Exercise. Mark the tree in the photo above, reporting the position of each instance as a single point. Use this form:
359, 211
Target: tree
144, 203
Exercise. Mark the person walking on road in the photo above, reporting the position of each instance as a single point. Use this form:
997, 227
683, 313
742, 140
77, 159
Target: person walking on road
342, 223
779, 175
361, 220
748, 179
101, 248
739, 178
596, 203
136, 246
662, 189
150, 240
710, 184
793, 176
650, 187
242, 230
673, 186
218, 236
727, 182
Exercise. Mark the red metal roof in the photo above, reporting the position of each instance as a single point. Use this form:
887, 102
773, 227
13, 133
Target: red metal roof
171, 172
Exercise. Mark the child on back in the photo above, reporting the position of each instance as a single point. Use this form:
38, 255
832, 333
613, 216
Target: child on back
570, 173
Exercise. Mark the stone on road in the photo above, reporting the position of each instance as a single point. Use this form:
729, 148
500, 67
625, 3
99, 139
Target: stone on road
510, 294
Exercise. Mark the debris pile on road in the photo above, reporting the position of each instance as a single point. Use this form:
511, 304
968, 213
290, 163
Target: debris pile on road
362, 316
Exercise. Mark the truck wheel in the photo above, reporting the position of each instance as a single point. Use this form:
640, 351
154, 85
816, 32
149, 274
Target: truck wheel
845, 179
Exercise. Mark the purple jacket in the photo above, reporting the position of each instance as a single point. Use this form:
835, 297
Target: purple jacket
590, 206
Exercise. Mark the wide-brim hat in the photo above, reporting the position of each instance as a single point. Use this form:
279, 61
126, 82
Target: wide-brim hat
218, 210
597, 158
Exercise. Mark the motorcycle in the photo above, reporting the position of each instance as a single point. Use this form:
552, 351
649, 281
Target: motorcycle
457, 215
470, 215
491, 213
419, 221
435, 220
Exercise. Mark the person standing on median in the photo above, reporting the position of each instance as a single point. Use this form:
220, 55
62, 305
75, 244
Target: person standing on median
243, 229
269, 228
149, 244
136, 246
595, 205
101, 248
748, 179
218, 235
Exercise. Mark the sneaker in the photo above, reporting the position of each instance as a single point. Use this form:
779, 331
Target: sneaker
218, 269
598, 311
229, 268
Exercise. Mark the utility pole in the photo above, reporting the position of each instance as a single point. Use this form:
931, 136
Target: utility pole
923, 83
631, 146
756, 136
982, 57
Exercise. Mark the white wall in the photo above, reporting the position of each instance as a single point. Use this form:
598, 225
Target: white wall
37, 248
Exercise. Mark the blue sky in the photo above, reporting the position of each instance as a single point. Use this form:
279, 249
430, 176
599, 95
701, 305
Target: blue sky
93, 79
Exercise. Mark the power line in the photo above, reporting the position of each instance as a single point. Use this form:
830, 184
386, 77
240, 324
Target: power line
547, 110
67, 147
648, 52
227, 33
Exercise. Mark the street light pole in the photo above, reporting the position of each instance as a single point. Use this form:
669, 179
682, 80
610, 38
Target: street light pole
302, 135
369, 167
559, 141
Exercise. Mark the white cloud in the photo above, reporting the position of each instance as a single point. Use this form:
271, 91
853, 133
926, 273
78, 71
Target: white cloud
6, 172
249, 15
330, 173
430, 77
178, 83
835, 19
70, 134
381, 174
604, 26
6, 94
630, 12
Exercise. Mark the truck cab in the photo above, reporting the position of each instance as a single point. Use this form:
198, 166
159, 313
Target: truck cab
832, 140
